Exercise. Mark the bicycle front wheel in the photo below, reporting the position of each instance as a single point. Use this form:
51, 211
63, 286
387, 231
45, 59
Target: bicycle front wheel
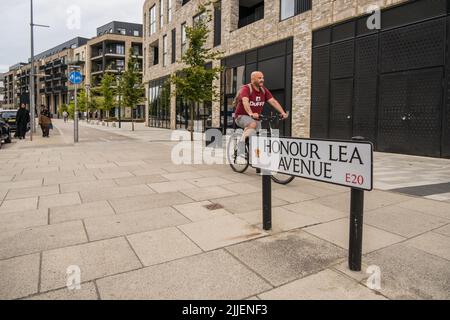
238, 162
281, 178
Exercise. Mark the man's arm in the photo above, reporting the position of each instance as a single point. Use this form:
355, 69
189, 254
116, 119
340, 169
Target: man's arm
248, 109
276, 105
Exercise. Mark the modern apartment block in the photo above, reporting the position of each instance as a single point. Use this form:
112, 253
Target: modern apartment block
106, 52
328, 62
109, 52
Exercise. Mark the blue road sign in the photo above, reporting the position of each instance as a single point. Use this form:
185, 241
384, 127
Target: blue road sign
75, 77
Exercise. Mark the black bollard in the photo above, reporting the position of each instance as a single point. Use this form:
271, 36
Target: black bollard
267, 201
356, 229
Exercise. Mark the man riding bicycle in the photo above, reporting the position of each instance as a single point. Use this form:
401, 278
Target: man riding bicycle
252, 98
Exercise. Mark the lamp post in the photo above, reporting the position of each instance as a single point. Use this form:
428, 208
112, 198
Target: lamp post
119, 91
32, 74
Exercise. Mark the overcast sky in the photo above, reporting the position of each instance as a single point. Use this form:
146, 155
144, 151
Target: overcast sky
62, 16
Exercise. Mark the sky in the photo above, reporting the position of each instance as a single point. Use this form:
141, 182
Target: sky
67, 19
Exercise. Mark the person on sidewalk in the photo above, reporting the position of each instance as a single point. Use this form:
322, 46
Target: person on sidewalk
45, 121
22, 120
65, 116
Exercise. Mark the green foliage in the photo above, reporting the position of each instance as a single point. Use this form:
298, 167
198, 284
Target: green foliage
106, 92
130, 85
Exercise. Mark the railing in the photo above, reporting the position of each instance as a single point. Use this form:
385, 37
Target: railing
258, 14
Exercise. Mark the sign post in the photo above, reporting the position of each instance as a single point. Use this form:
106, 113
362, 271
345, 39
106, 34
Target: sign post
75, 78
345, 163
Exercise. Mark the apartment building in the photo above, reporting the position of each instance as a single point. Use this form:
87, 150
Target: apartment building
108, 52
2, 90
12, 88
328, 62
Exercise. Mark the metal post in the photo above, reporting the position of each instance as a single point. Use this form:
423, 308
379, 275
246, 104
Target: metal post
356, 226
75, 117
267, 196
33, 128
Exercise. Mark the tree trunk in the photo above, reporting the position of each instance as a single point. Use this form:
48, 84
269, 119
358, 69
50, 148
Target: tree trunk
191, 125
132, 119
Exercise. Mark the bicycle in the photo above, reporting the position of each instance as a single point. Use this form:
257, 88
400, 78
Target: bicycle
240, 162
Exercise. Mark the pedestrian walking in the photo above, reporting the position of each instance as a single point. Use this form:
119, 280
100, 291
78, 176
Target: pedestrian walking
22, 120
45, 121
65, 116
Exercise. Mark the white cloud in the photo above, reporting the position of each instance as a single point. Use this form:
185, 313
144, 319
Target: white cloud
15, 30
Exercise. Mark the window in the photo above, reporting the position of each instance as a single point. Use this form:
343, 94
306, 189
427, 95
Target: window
145, 24
174, 45
217, 24
161, 13
122, 31
169, 11
183, 38
111, 30
199, 17
153, 20
120, 49
250, 12
144, 60
290, 8
136, 33
164, 50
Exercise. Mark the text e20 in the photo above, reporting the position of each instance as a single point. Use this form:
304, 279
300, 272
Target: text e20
354, 179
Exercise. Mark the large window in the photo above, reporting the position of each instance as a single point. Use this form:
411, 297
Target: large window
169, 11
165, 57
183, 38
153, 20
290, 8
159, 103
161, 13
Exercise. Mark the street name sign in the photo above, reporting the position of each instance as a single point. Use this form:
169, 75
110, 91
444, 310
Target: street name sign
346, 163
75, 77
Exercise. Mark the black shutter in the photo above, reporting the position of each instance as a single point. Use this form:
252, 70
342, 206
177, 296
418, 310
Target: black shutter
217, 24
174, 45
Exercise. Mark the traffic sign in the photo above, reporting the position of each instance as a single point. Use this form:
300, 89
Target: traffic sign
345, 163
75, 77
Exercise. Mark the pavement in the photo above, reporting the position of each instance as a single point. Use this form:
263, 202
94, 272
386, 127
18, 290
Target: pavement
114, 212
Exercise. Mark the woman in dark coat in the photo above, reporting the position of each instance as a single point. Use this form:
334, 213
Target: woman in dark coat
22, 119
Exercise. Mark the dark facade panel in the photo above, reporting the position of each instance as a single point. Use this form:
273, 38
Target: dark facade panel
342, 59
321, 37
341, 105
343, 31
413, 12
412, 47
217, 24
320, 99
272, 51
446, 111
274, 78
174, 45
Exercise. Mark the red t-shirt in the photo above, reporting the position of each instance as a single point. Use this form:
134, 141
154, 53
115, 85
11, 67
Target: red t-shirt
257, 100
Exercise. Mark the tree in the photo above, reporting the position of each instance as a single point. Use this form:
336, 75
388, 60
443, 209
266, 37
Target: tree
194, 83
106, 92
130, 86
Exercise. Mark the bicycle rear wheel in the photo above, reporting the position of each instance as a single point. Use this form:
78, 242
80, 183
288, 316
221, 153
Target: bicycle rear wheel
281, 178
239, 163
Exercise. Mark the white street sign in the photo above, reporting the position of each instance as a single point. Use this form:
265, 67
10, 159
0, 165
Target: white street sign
339, 162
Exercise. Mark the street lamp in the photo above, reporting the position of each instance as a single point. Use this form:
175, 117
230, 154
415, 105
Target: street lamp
32, 74
119, 87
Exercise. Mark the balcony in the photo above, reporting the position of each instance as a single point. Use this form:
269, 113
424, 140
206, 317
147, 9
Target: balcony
250, 12
76, 61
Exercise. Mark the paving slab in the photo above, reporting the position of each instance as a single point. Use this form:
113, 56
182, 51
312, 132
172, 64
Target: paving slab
113, 175
59, 200
288, 256
150, 201
31, 240
20, 184
209, 182
242, 188
202, 194
95, 260
171, 186
404, 222
163, 245
116, 192
220, 232
433, 243
63, 180
181, 175
19, 205
197, 211
32, 192
93, 186
337, 232
292, 196
282, 219
130, 223
410, 273
316, 211
100, 165
19, 277
246, 202
445, 230
82, 211
435, 208
86, 292
22, 220
211, 276
318, 191
325, 285
140, 180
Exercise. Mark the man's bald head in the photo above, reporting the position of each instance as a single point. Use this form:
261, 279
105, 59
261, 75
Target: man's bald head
257, 78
